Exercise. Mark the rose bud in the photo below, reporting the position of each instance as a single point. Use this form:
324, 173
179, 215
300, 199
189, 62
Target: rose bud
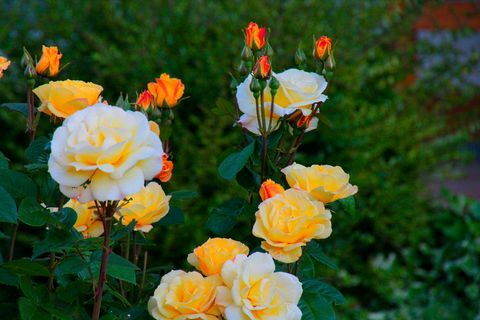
255, 37
166, 174
49, 63
4, 64
145, 100
270, 188
262, 69
322, 49
166, 91
304, 121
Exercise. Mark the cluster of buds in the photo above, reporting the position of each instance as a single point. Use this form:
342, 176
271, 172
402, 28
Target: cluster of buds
48, 66
256, 52
165, 92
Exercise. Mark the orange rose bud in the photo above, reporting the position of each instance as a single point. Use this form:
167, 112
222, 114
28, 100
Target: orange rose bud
49, 63
322, 49
4, 64
270, 188
262, 69
166, 174
145, 100
254, 36
304, 121
166, 91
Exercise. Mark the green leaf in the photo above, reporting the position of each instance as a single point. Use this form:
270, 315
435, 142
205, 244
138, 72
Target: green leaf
8, 208
234, 162
32, 213
27, 267
38, 151
348, 204
117, 267
184, 195
8, 278
248, 179
67, 217
315, 307
57, 240
16, 106
17, 184
314, 250
174, 216
306, 268
29, 310
3, 161
222, 219
329, 292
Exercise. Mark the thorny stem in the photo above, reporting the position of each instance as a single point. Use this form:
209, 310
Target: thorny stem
31, 128
106, 215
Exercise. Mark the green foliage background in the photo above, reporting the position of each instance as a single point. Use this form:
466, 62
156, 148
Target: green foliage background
375, 126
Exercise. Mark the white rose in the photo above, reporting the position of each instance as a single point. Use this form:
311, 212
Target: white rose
104, 153
298, 90
253, 290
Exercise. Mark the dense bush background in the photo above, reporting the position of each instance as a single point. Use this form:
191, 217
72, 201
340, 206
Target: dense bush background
395, 251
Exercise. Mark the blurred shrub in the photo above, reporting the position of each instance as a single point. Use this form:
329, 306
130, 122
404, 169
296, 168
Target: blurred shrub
376, 122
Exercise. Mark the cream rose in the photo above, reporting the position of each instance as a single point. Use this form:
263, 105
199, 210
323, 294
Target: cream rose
289, 221
185, 295
298, 90
325, 183
210, 256
254, 291
104, 153
146, 207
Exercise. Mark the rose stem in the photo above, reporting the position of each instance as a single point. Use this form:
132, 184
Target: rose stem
106, 215
144, 273
31, 132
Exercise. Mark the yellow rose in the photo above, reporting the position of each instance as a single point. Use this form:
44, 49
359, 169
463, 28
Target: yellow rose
185, 295
88, 222
146, 207
254, 291
104, 153
210, 256
288, 221
298, 90
64, 98
325, 183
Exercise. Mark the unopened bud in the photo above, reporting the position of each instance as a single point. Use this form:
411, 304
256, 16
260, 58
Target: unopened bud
247, 53
255, 87
262, 69
330, 62
274, 84
30, 72
269, 51
24, 61
242, 69
322, 48
300, 57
